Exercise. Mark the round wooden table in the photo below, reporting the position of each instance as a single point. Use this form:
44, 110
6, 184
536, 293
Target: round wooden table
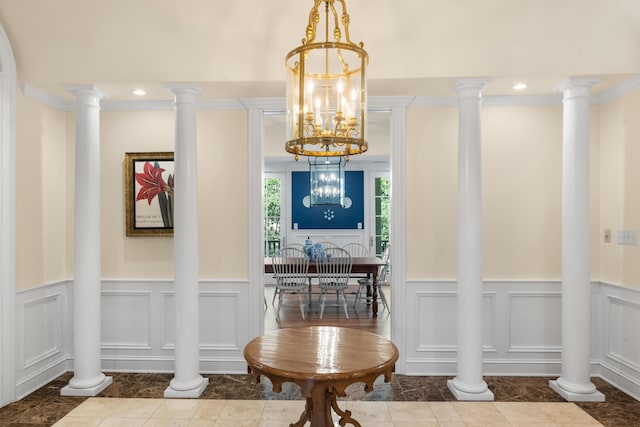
323, 361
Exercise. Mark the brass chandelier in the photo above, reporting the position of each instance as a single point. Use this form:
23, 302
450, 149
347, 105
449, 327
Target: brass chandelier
326, 88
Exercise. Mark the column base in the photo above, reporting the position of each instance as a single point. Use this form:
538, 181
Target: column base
570, 396
89, 391
192, 393
485, 395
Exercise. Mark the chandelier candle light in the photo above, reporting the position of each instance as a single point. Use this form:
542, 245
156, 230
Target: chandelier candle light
326, 88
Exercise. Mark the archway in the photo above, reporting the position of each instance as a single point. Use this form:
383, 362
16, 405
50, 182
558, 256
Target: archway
7, 218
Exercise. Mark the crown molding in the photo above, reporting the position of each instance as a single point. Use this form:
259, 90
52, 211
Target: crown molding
385, 102
46, 98
522, 100
501, 100
137, 105
274, 104
167, 105
434, 101
622, 89
375, 102
221, 104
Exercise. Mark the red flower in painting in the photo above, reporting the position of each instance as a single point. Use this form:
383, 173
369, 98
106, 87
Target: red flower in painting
151, 182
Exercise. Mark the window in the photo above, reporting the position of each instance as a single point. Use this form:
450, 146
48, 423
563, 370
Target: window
382, 211
272, 214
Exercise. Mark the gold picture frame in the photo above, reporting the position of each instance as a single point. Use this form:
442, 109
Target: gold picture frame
148, 189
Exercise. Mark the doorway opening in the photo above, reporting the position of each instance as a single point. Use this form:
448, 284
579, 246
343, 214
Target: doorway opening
279, 230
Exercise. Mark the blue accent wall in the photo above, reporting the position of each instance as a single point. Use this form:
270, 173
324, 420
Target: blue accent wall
328, 217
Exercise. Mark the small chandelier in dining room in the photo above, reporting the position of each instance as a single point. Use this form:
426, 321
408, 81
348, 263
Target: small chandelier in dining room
326, 88
326, 179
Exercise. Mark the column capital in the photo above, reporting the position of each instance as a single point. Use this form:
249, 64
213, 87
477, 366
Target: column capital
576, 86
87, 94
181, 89
466, 88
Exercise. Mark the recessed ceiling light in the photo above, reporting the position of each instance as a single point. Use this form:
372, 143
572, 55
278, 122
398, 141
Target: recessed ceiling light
139, 92
519, 86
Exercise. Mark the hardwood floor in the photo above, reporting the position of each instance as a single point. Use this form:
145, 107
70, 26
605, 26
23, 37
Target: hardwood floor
290, 315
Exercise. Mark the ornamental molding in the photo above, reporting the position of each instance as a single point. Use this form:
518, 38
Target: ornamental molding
376, 103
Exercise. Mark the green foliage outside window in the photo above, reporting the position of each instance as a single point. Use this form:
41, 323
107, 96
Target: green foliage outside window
383, 209
272, 189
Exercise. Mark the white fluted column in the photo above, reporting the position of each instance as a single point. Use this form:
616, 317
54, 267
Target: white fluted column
468, 384
187, 381
575, 383
87, 379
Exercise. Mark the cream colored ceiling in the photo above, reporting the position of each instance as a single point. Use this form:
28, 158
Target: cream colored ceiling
236, 48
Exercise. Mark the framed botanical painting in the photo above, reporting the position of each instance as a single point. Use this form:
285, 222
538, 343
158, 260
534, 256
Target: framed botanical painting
148, 182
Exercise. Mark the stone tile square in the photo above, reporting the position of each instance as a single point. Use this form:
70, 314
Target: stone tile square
96, 407
176, 409
242, 410
479, 412
566, 413
411, 411
522, 412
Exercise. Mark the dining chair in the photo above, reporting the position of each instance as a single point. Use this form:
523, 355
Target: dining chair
381, 279
356, 250
290, 268
296, 245
290, 245
334, 270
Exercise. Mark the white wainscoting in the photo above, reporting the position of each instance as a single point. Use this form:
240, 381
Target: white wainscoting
44, 342
521, 330
618, 349
138, 327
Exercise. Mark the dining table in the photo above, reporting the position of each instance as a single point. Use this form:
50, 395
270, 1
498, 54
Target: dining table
359, 265
323, 361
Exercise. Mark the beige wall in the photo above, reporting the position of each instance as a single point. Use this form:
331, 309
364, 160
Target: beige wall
42, 171
431, 193
45, 181
223, 194
620, 187
121, 132
522, 192
522, 161
222, 189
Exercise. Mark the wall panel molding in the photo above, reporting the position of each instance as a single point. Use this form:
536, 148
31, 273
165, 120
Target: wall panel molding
43, 335
547, 332
148, 308
431, 339
519, 338
617, 345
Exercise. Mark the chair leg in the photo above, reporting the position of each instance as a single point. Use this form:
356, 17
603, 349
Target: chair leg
323, 299
280, 298
383, 297
303, 303
361, 288
275, 294
344, 303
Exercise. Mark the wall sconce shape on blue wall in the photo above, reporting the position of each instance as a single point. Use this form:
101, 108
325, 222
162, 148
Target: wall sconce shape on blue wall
326, 181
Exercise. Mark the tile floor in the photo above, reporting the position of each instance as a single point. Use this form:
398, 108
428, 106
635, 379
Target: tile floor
277, 413
518, 401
